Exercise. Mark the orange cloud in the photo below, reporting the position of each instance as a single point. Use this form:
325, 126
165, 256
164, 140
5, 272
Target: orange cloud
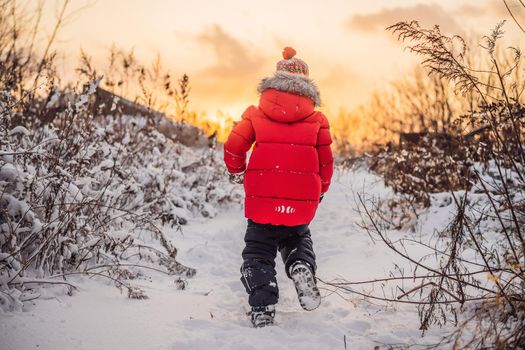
493, 8
236, 69
498, 8
427, 15
232, 55
472, 10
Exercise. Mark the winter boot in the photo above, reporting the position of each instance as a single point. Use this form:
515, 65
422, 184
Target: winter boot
262, 315
305, 285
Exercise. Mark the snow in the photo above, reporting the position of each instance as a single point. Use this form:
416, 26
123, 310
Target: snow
84, 98
54, 99
19, 130
210, 312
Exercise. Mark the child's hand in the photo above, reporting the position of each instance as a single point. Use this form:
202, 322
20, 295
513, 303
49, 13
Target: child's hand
237, 178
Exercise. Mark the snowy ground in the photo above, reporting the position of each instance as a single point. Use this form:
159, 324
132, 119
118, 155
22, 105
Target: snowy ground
210, 313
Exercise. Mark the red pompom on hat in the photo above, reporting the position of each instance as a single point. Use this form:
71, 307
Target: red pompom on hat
290, 64
288, 52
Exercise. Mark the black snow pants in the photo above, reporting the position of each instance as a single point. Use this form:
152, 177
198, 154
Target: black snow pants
258, 269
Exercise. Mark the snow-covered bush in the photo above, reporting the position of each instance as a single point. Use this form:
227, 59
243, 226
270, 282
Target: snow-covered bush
96, 196
83, 192
419, 169
473, 188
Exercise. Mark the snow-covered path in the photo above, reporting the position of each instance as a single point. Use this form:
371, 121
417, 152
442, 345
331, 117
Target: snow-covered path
210, 313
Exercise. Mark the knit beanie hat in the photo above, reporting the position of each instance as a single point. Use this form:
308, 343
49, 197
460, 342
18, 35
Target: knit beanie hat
291, 64
291, 76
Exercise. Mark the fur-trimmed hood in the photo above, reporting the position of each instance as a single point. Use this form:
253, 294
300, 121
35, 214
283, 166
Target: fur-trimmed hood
294, 83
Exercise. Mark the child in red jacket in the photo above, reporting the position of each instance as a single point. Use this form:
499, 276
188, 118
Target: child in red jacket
288, 173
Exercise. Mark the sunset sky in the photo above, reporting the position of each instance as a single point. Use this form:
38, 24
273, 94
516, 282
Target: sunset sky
226, 47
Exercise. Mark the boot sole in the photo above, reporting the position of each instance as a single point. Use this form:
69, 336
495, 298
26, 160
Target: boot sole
265, 323
262, 320
307, 291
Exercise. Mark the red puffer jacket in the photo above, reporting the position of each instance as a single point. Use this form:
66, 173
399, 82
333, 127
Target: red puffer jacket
291, 163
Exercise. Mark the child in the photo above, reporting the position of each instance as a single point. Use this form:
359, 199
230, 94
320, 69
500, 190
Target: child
288, 173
